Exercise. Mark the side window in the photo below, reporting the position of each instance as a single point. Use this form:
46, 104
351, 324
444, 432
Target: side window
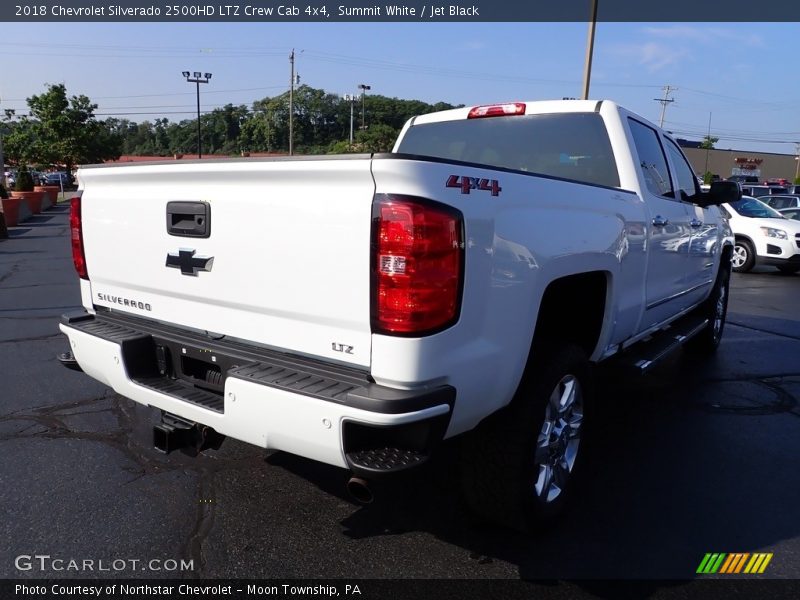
687, 182
652, 162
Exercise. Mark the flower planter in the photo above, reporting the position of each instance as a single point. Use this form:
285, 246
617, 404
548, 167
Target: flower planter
11, 210
33, 200
50, 195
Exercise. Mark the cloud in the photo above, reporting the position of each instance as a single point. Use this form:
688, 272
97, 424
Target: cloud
475, 45
668, 46
704, 35
653, 56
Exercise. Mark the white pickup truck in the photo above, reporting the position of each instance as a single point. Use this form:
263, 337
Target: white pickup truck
357, 310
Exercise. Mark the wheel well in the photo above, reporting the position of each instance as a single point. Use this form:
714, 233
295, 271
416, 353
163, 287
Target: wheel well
739, 237
572, 310
727, 252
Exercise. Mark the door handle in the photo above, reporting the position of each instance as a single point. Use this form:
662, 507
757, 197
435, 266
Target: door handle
189, 219
660, 221
695, 223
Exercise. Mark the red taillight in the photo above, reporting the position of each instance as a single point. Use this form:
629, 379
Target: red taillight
497, 110
417, 265
76, 232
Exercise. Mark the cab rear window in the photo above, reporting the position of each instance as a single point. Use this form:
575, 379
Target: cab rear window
571, 146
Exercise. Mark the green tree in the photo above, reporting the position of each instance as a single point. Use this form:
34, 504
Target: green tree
62, 131
376, 138
708, 142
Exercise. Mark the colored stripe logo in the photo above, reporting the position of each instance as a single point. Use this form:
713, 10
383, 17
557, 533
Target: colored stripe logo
734, 563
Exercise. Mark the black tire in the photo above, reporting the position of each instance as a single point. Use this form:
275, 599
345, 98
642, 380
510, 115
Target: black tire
716, 310
506, 460
744, 256
788, 269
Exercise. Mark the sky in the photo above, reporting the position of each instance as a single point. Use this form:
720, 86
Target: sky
740, 76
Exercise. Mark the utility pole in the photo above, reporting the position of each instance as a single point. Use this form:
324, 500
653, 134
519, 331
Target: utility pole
351, 99
2, 160
291, 104
708, 143
797, 158
664, 101
198, 79
269, 132
587, 67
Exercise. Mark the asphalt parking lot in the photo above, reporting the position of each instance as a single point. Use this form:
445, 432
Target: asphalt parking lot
701, 456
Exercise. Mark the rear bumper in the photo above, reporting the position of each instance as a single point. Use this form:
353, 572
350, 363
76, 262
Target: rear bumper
324, 412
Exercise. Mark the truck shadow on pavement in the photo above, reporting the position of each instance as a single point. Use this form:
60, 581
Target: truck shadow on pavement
677, 466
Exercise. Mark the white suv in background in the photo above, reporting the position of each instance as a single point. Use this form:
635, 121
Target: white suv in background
763, 236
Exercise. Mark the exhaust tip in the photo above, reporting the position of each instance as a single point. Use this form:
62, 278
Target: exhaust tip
359, 490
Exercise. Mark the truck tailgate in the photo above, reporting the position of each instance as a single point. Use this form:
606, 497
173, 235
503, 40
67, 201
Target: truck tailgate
289, 240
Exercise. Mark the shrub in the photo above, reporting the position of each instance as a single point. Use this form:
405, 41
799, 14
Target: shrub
24, 182
3, 192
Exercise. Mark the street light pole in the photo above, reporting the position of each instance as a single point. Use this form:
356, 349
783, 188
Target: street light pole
363, 87
198, 79
291, 104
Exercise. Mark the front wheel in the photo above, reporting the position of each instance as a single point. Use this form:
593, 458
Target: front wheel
519, 467
744, 256
716, 310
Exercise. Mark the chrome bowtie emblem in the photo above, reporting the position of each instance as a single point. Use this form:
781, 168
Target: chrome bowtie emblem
188, 263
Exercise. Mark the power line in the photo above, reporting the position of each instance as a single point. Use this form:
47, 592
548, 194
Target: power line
700, 133
311, 55
271, 87
733, 131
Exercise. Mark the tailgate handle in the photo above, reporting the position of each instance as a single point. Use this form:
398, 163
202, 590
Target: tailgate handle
189, 219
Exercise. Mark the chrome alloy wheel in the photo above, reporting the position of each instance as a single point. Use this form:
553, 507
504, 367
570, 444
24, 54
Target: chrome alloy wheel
739, 256
559, 438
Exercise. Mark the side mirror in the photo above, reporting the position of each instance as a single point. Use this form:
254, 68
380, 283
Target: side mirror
721, 192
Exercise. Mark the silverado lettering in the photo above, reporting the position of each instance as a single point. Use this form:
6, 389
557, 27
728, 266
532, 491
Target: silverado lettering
124, 301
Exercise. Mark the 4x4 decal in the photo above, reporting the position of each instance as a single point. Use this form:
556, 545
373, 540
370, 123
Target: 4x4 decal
467, 184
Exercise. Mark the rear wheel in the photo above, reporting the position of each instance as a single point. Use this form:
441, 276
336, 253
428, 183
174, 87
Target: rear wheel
744, 256
519, 467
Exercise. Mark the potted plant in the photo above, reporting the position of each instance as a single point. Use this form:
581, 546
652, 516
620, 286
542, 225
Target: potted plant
23, 189
10, 208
